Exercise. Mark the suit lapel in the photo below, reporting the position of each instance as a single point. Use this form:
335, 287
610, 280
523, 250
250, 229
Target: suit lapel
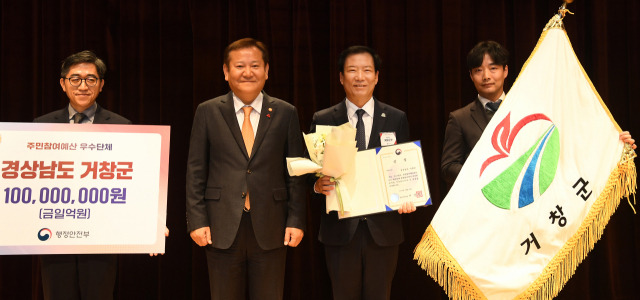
99, 117
379, 118
340, 117
268, 108
478, 115
340, 114
63, 116
229, 114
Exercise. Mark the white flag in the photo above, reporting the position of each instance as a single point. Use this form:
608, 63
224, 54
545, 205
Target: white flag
538, 188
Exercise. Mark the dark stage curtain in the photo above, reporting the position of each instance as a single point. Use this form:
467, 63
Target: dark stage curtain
165, 57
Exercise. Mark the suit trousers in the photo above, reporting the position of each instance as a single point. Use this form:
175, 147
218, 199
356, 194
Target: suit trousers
79, 276
361, 269
246, 265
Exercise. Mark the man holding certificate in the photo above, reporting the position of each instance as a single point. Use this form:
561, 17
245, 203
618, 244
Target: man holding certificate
361, 253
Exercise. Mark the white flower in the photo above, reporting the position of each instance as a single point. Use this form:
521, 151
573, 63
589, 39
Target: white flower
318, 147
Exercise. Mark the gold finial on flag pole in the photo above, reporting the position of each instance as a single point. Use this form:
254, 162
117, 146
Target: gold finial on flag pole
556, 20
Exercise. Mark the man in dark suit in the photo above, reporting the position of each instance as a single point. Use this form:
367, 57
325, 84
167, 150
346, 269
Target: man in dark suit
362, 253
241, 203
81, 276
488, 68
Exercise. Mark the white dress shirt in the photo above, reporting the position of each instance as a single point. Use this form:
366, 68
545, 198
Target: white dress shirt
484, 100
255, 112
367, 117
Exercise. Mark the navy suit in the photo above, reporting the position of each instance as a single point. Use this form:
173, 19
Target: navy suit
383, 232
79, 276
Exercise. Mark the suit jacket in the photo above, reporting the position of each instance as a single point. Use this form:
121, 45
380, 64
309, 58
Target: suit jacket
103, 266
219, 173
385, 228
463, 131
102, 116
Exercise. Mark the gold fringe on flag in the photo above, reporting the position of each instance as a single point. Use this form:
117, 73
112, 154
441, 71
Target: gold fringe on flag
629, 175
621, 183
434, 258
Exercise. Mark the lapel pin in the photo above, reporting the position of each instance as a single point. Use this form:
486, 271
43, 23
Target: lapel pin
270, 109
383, 115
269, 116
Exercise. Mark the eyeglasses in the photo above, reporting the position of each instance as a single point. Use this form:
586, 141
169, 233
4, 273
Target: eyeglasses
77, 81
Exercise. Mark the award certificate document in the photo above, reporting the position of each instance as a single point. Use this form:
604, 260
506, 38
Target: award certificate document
383, 178
90, 188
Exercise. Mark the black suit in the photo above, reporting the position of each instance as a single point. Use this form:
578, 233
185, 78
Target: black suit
383, 230
463, 131
220, 172
79, 276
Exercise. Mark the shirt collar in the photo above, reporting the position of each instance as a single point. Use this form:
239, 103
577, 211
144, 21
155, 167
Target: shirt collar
367, 107
484, 100
89, 112
256, 104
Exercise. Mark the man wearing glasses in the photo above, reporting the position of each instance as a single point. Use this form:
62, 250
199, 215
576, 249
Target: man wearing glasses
82, 79
80, 276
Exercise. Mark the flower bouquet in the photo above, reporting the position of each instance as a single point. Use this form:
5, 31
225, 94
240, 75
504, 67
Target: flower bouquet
332, 151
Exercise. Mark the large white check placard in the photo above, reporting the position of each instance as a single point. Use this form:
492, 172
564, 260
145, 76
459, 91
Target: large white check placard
384, 178
90, 188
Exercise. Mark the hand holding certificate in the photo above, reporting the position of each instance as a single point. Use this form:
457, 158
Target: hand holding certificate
367, 182
385, 178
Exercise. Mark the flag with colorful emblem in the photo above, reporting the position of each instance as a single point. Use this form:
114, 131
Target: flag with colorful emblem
537, 190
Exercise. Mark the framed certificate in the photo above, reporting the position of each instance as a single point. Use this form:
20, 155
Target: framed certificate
384, 178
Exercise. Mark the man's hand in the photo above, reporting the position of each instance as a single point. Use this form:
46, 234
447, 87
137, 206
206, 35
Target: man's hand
324, 185
625, 136
407, 207
202, 236
293, 236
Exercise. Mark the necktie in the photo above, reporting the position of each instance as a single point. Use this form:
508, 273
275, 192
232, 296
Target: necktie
361, 141
247, 136
78, 117
492, 107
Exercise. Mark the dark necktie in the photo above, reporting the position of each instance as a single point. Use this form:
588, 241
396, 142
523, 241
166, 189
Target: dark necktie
361, 141
492, 107
78, 117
